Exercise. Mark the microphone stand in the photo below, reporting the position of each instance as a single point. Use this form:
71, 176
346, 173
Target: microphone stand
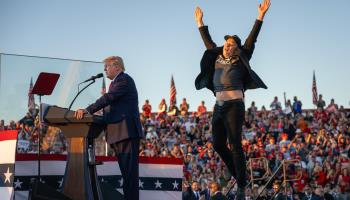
40, 134
71, 104
90, 152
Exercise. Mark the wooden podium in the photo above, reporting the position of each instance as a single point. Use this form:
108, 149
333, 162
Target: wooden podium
80, 179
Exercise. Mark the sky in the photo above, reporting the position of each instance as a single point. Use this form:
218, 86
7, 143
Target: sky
159, 38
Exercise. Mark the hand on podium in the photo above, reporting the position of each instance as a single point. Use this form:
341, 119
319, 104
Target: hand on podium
79, 114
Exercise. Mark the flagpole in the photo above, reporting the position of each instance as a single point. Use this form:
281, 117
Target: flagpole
103, 91
40, 134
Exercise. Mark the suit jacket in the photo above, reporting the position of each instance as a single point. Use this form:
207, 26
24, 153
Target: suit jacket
303, 196
279, 196
205, 193
121, 110
218, 196
189, 195
245, 52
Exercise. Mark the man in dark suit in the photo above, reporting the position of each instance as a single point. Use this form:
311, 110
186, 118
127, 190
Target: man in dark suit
307, 194
191, 192
278, 192
215, 192
205, 192
123, 130
227, 73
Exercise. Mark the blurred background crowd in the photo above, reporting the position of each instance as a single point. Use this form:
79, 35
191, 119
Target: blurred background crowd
312, 144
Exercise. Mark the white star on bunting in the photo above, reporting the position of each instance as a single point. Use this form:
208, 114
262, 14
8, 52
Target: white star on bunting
158, 184
121, 182
176, 185
60, 182
140, 184
8, 176
18, 184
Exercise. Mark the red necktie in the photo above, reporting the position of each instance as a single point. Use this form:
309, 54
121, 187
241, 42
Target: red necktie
110, 85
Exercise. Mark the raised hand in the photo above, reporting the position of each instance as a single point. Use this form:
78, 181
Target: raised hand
263, 8
198, 14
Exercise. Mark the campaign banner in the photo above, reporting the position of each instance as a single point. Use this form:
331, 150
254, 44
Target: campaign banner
160, 178
7, 162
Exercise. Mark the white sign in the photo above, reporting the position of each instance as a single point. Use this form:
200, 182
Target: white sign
23, 144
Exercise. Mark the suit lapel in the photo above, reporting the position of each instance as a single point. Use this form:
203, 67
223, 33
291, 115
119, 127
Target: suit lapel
116, 78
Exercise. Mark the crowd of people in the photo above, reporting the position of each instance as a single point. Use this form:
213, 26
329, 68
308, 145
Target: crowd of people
52, 139
316, 142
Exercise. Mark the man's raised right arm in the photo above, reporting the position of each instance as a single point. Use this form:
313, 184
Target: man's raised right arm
208, 42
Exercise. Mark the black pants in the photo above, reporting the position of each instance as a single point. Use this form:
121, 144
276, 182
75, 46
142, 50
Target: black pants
127, 153
227, 124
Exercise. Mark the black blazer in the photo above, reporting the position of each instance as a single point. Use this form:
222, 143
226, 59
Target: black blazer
218, 196
189, 195
245, 52
120, 105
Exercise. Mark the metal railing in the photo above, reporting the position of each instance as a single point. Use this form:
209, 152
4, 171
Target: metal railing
283, 166
266, 167
252, 179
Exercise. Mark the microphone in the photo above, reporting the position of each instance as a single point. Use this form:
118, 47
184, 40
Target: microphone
92, 78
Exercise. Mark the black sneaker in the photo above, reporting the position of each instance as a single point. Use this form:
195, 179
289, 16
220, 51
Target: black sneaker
240, 194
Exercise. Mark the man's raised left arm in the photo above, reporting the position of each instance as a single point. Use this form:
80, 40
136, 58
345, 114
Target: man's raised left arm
262, 9
249, 44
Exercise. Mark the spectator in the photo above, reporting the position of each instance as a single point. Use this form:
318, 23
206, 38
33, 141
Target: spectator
252, 110
215, 192
321, 116
297, 106
278, 192
271, 146
193, 192
344, 181
288, 108
146, 109
2, 125
201, 109
173, 109
275, 105
332, 107
151, 134
327, 192
205, 192
320, 102
319, 193
27, 120
184, 107
307, 194
12, 125
162, 108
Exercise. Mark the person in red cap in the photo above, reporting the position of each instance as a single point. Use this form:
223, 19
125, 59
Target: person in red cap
226, 72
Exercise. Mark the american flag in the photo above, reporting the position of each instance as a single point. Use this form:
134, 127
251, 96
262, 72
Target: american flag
172, 91
31, 102
103, 91
314, 90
